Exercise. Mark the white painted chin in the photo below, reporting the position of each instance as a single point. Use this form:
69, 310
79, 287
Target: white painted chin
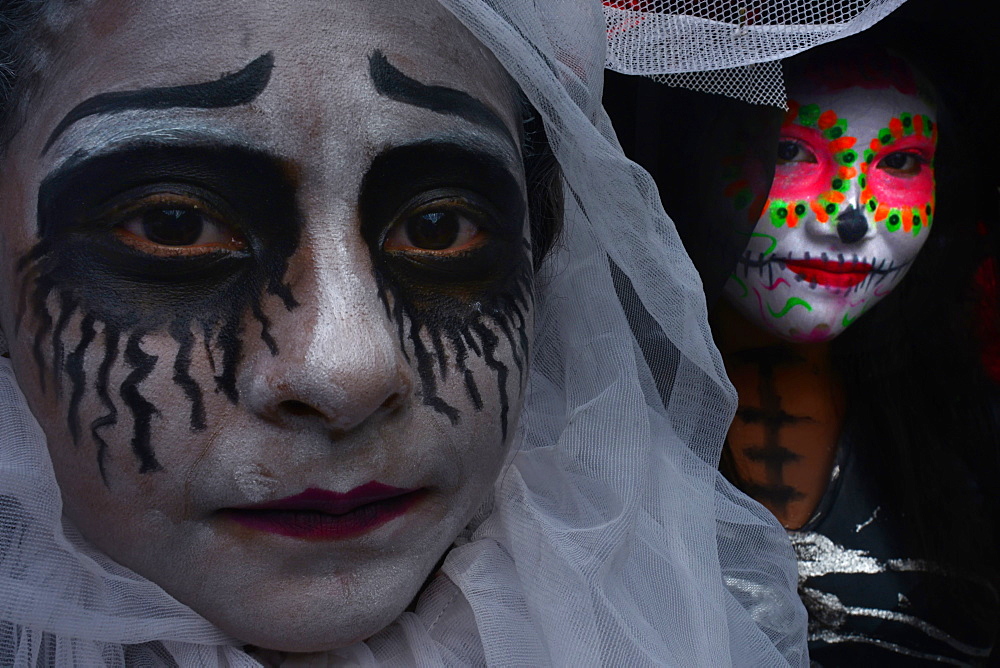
807, 307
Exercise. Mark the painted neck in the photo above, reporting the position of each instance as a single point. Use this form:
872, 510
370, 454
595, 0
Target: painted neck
782, 444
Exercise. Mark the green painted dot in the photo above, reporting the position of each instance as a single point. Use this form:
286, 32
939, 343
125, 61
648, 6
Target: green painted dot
848, 157
916, 220
778, 213
831, 208
928, 209
838, 184
885, 137
809, 115
869, 154
836, 132
800, 209
862, 180
894, 219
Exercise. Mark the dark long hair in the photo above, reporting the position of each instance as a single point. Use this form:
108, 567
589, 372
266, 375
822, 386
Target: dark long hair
920, 404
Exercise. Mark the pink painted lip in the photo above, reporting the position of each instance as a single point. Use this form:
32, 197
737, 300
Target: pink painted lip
834, 274
318, 514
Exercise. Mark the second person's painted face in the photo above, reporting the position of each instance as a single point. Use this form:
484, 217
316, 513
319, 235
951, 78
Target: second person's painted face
850, 207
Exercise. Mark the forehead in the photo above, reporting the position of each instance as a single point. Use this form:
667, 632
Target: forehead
864, 108
321, 53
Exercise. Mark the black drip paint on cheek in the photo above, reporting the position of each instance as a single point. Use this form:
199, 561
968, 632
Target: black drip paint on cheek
77, 375
143, 411
131, 295
464, 326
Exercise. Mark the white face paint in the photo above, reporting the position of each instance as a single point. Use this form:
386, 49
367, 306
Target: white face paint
289, 331
849, 209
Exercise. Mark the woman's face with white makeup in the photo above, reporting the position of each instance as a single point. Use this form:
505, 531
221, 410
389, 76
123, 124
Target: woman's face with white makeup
267, 280
850, 207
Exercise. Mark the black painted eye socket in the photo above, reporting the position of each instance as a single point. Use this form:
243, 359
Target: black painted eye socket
445, 227
793, 151
902, 163
444, 222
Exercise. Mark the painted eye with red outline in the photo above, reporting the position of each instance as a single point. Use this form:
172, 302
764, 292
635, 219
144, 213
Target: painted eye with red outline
903, 174
903, 164
791, 151
803, 165
443, 226
171, 225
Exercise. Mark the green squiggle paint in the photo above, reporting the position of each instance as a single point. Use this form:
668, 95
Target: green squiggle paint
848, 320
741, 284
774, 240
789, 305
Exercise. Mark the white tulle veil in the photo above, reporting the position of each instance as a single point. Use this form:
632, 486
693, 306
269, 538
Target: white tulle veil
611, 538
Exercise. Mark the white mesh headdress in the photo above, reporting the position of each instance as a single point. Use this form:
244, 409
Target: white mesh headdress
612, 538
726, 47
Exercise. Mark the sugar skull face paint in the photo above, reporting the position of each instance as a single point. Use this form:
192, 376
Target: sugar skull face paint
850, 207
267, 276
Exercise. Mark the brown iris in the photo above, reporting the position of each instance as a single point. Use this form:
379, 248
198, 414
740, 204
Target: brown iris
176, 225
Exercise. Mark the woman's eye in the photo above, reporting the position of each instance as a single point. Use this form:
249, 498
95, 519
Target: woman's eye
177, 229
902, 163
439, 229
793, 151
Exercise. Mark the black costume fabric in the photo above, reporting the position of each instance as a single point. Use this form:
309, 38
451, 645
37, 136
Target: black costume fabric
869, 601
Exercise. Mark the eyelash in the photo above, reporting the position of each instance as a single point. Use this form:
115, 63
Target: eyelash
920, 162
135, 209
803, 151
466, 205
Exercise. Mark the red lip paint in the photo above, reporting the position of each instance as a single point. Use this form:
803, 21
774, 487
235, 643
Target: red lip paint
318, 514
832, 274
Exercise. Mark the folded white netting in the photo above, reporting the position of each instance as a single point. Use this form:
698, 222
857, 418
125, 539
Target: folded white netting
728, 47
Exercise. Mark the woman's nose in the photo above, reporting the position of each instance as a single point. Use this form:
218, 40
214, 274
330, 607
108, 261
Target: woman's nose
337, 366
852, 225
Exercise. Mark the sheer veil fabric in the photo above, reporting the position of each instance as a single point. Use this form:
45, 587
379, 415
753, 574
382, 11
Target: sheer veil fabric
610, 537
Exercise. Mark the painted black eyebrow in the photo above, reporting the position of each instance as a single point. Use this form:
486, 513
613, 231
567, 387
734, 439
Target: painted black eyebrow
230, 90
395, 85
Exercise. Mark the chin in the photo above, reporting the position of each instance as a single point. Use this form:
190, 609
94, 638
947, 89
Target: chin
817, 333
309, 628
302, 603
319, 637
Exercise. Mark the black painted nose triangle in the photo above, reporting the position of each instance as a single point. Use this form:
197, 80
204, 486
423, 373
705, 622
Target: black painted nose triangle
851, 226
